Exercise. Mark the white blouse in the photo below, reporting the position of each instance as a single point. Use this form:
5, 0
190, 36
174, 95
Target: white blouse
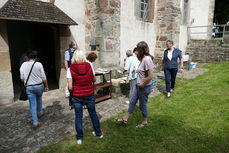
170, 55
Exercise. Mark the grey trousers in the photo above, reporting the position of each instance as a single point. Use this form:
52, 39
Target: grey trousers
133, 83
140, 94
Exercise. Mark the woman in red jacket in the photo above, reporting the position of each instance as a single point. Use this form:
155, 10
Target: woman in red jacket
80, 82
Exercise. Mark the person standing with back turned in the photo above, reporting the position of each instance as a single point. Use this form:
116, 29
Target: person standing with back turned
80, 83
35, 86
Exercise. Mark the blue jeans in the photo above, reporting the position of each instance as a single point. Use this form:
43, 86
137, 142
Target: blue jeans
35, 100
140, 94
170, 77
78, 103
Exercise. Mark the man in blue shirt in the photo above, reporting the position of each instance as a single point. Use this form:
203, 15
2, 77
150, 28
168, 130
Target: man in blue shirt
67, 63
68, 55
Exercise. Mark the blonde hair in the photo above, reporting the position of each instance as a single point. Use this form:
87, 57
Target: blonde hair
78, 57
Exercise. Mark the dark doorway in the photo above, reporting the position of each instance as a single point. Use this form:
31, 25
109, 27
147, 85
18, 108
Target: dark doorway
26, 36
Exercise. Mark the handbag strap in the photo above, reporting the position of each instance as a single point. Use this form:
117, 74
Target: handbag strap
29, 73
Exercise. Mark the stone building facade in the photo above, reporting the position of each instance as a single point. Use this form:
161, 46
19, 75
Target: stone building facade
107, 27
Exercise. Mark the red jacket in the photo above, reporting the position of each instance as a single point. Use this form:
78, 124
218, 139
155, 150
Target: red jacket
82, 77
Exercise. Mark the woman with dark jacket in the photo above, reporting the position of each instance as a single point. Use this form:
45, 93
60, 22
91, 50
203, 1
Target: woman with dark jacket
170, 66
80, 82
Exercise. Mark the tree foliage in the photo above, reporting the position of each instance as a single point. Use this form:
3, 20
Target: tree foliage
221, 15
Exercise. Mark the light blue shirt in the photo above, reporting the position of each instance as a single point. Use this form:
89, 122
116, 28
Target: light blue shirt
66, 55
131, 65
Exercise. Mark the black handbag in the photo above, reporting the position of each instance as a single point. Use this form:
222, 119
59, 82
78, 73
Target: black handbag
23, 95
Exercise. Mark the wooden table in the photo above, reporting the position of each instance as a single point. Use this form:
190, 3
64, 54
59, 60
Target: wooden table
103, 84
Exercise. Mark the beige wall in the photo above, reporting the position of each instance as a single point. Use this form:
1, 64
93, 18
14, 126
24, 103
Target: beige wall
199, 16
6, 84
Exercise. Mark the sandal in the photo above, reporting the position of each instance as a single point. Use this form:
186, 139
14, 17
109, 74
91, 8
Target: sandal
141, 125
124, 122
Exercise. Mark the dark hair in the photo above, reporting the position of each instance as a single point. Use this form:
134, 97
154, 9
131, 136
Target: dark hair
170, 41
32, 54
71, 44
135, 49
143, 50
92, 57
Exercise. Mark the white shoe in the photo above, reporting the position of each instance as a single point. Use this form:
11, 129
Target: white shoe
96, 135
127, 102
79, 142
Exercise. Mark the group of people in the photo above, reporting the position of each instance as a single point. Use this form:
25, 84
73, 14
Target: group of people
80, 76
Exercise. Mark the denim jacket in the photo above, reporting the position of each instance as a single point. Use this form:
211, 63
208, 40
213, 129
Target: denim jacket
171, 64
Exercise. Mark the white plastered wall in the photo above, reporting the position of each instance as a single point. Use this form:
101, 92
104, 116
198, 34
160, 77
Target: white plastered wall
199, 14
133, 30
183, 37
76, 10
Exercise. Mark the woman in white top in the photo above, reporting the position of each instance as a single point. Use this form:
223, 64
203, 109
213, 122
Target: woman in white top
35, 86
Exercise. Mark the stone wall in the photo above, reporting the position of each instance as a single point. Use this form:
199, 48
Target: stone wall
103, 25
208, 51
168, 25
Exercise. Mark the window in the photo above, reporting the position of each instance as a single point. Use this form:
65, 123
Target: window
144, 10
144, 4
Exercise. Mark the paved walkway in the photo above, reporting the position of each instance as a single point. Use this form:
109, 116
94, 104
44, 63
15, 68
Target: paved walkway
17, 135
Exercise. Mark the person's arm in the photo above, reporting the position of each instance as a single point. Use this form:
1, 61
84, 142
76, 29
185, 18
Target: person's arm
46, 85
69, 80
94, 79
162, 64
148, 78
66, 65
69, 84
125, 71
43, 77
66, 59
127, 66
21, 74
181, 62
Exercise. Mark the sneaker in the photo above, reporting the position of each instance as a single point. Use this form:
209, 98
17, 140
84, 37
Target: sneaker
127, 102
79, 142
96, 135
39, 115
36, 125
171, 90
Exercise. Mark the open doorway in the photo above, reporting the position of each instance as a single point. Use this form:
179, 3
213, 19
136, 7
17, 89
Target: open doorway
25, 36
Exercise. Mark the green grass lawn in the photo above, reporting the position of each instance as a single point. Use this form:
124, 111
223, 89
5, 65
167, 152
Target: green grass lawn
194, 120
